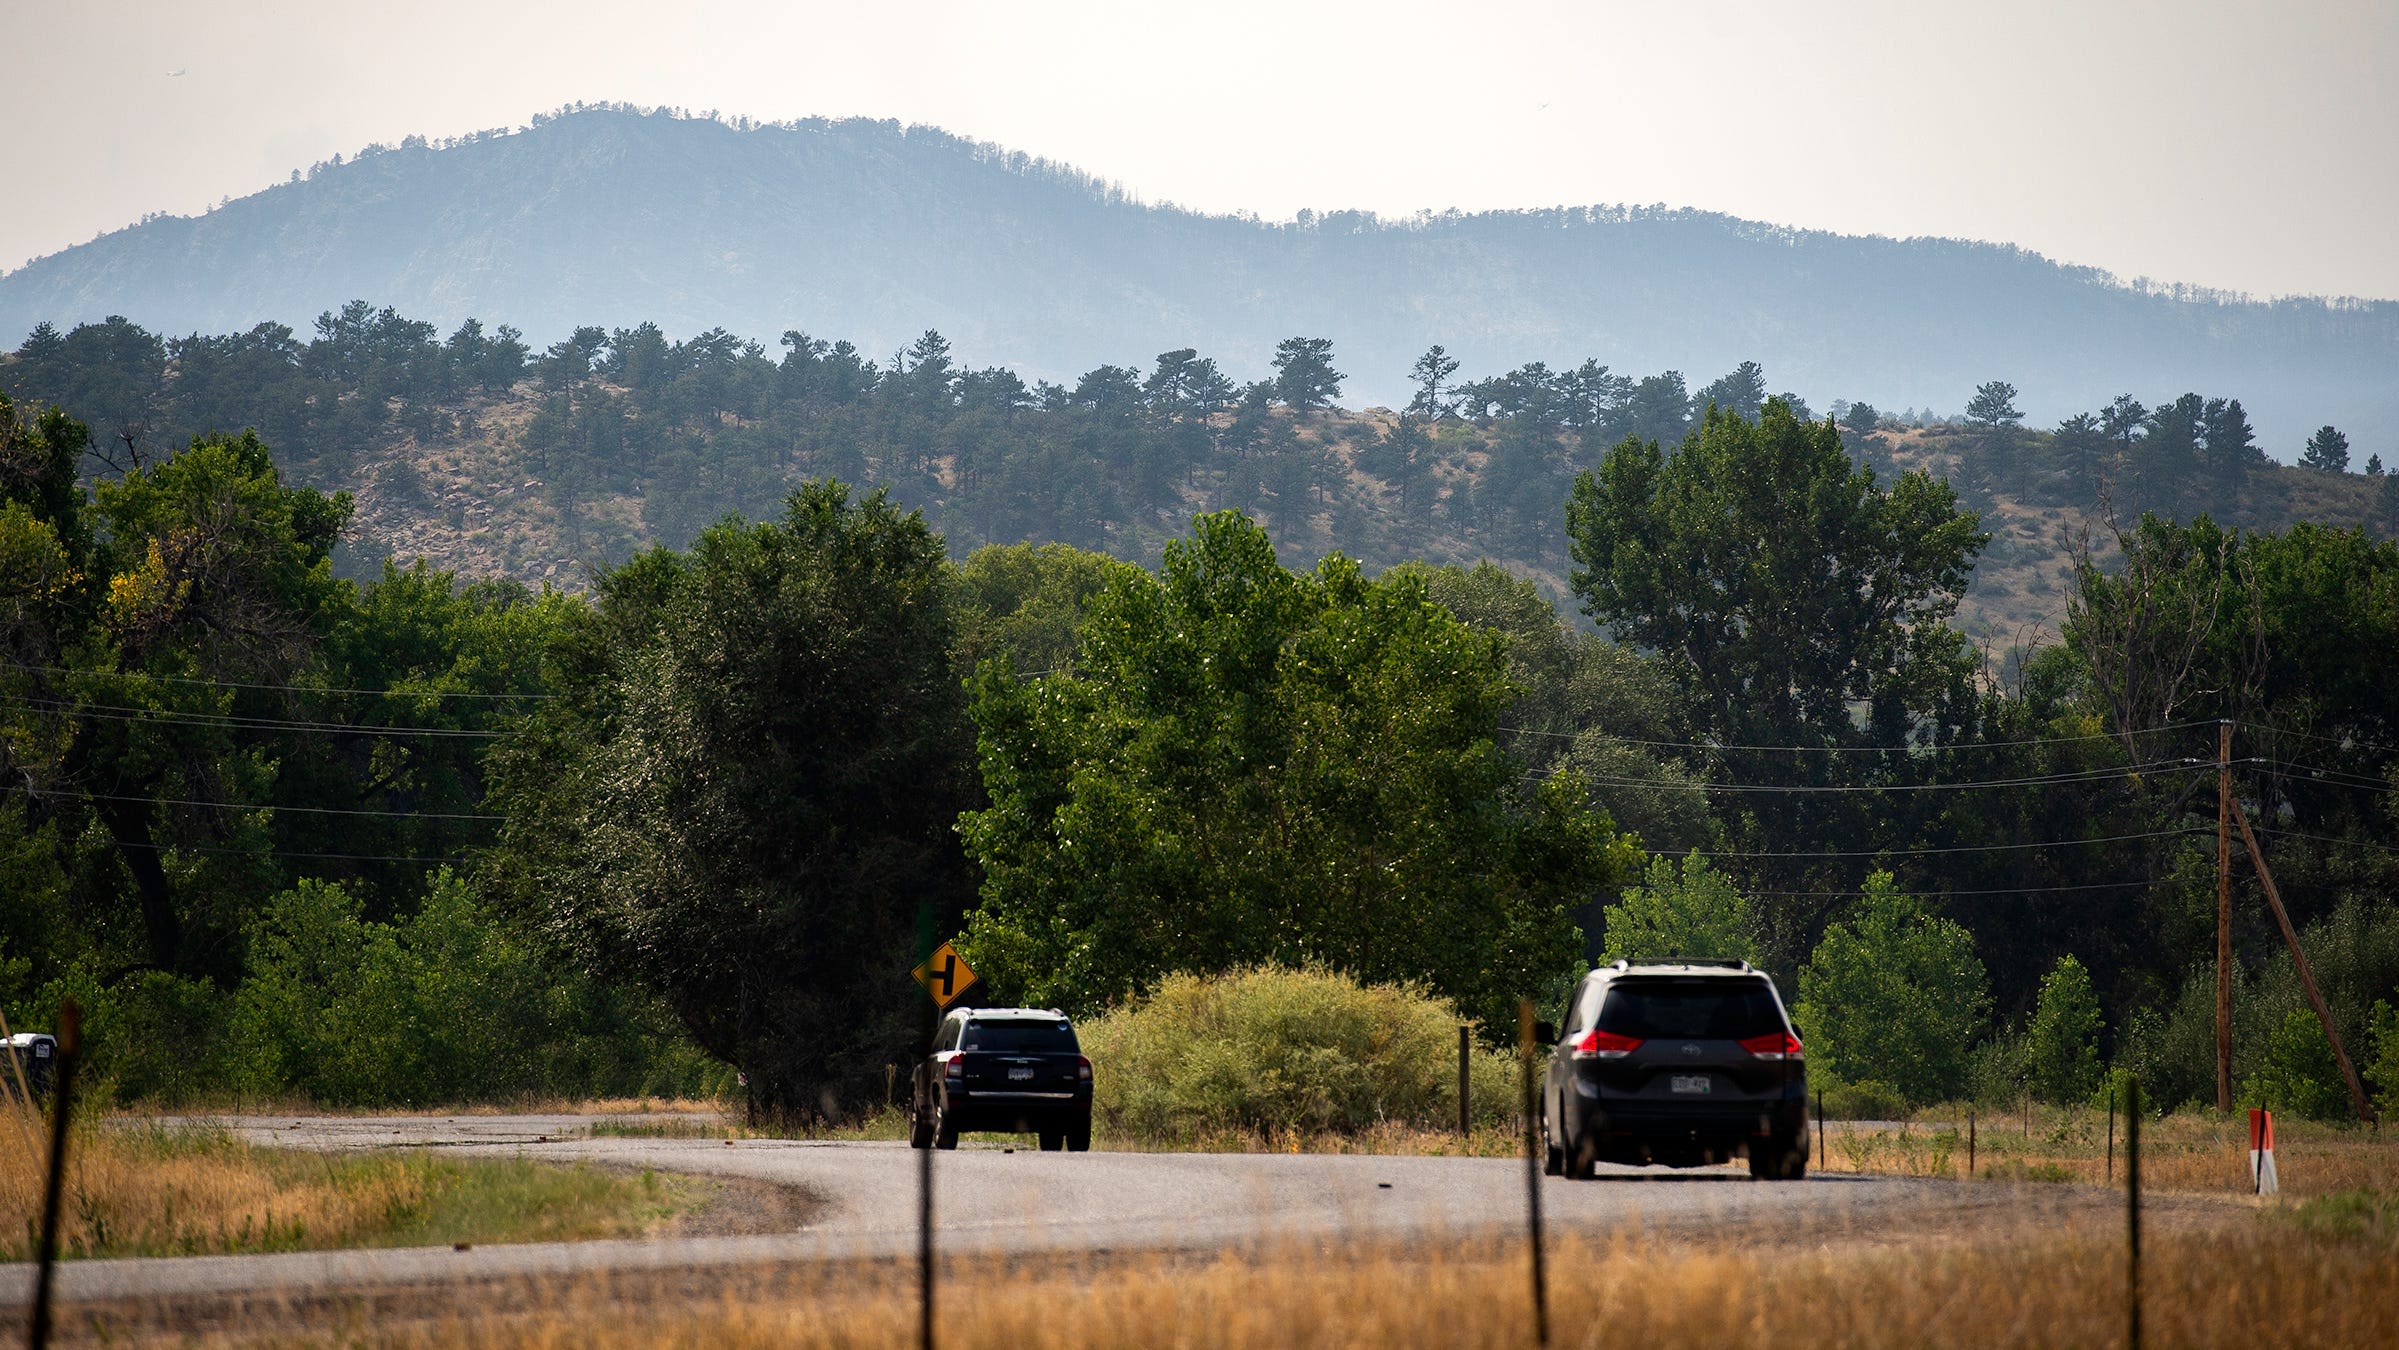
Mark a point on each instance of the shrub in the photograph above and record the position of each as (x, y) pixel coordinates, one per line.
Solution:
(443, 1006)
(1273, 1048)
(1684, 908)
(1894, 995)
(2382, 1057)
(2299, 1074)
(2061, 1046)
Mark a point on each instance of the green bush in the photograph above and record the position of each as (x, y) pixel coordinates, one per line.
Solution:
(1894, 995)
(443, 1006)
(1681, 908)
(1861, 1101)
(2382, 1057)
(2299, 1074)
(1273, 1048)
(2061, 1046)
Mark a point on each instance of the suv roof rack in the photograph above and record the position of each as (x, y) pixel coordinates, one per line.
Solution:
(1710, 962)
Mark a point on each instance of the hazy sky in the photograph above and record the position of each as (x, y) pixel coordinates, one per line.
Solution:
(2249, 147)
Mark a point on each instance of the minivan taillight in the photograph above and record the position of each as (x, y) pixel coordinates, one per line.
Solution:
(1597, 1044)
(1775, 1045)
(1082, 1069)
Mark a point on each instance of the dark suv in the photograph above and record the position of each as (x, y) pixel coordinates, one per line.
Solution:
(1006, 1069)
(1683, 1063)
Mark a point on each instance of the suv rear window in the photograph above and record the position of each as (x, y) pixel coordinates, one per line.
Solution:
(1710, 1009)
(1020, 1038)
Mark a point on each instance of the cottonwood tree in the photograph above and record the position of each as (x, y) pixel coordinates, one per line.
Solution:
(1802, 604)
(1894, 995)
(748, 787)
(1250, 765)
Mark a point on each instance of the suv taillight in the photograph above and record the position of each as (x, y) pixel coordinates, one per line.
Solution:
(1597, 1044)
(1775, 1045)
(956, 1068)
(1082, 1068)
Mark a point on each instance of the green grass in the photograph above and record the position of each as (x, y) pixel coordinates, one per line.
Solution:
(2365, 1215)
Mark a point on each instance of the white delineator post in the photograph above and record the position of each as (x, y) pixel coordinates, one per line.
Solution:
(2261, 1153)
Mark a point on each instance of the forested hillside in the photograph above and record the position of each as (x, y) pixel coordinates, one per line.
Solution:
(485, 456)
(876, 233)
(400, 835)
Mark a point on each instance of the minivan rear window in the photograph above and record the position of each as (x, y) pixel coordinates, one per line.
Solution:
(1714, 1009)
(1020, 1038)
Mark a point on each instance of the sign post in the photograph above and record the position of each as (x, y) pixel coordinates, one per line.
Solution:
(2262, 1180)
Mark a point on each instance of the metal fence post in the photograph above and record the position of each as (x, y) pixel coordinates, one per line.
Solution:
(1532, 1171)
(62, 1098)
(2132, 1210)
(2111, 1133)
(924, 1165)
(1465, 1082)
(1823, 1159)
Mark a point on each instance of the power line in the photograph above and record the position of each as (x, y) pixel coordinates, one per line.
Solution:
(2162, 766)
(262, 806)
(2351, 743)
(2315, 774)
(117, 712)
(286, 853)
(1858, 749)
(1992, 890)
(2325, 839)
(1960, 848)
(276, 688)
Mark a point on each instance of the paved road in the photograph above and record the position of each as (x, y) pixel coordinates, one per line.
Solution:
(1024, 1201)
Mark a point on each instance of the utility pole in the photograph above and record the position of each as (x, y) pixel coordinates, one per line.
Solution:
(2307, 977)
(2224, 916)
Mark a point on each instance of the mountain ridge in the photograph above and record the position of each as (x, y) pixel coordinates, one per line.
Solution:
(879, 232)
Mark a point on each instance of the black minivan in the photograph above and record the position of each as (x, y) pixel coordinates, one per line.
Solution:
(1003, 1069)
(1684, 1063)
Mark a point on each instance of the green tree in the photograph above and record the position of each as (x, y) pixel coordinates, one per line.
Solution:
(748, 787)
(1861, 420)
(2382, 1056)
(1584, 704)
(1799, 604)
(1681, 908)
(2327, 451)
(1894, 995)
(1025, 602)
(1783, 587)
(1305, 380)
(1741, 393)
(1994, 406)
(1252, 765)
(2298, 1073)
(2061, 1045)
(1431, 372)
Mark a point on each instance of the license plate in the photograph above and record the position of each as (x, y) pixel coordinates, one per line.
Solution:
(1693, 1082)
(1020, 1075)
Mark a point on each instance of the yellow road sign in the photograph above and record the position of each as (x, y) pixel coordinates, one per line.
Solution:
(945, 976)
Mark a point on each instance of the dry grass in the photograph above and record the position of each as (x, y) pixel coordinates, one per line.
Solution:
(2259, 1284)
(2187, 1151)
(301, 1109)
(134, 1190)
